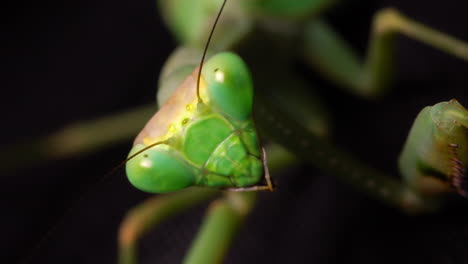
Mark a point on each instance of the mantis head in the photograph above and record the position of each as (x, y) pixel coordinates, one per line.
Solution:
(202, 135)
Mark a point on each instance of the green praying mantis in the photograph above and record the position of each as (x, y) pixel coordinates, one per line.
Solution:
(297, 133)
(432, 161)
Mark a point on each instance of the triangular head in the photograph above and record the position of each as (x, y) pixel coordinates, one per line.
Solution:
(202, 136)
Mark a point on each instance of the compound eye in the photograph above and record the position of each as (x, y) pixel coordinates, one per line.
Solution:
(157, 171)
(229, 85)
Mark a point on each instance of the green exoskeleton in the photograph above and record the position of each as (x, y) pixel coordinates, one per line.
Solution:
(203, 135)
(436, 150)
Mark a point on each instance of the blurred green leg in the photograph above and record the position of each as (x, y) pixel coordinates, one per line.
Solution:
(297, 9)
(224, 218)
(76, 138)
(331, 55)
(279, 127)
(153, 211)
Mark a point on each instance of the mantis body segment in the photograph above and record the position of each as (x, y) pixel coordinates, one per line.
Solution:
(435, 153)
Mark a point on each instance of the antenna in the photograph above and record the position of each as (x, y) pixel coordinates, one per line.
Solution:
(206, 47)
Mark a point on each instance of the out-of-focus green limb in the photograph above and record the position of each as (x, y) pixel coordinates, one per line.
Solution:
(390, 19)
(190, 21)
(76, 138)
(153, 211)
(297, 9)
(224, 218)
(379, 62)
(293, 136)
(330, 54)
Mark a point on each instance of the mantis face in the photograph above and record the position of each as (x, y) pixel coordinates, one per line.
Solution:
(202, 137)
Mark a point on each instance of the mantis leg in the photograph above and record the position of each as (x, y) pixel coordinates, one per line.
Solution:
(328, 158)
(290, 9)
(153, 211)
(76, 138)
(223, 219)
(326, 51)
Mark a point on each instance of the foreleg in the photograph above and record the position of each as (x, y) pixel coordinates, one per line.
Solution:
(330, 54)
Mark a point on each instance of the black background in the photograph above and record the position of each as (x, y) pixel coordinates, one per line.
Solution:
(74, 60)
